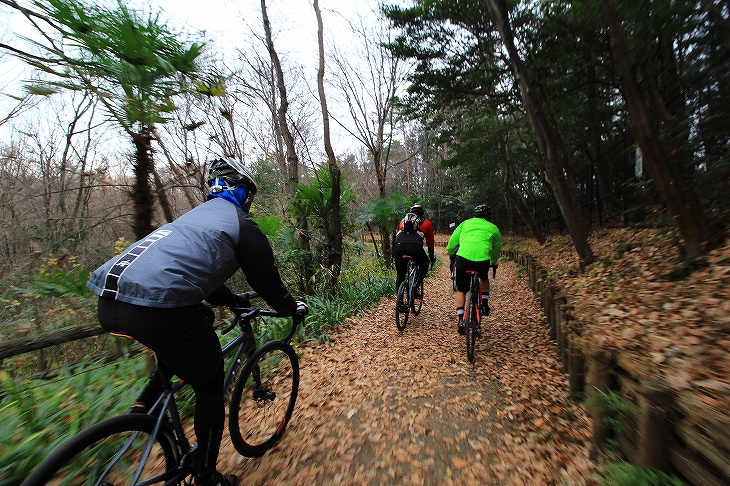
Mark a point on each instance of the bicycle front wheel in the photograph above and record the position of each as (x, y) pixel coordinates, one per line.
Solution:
(470, 323)
(263, 398)
(402, 306)
(110, 453)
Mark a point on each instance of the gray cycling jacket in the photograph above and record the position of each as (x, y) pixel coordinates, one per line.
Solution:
(191, 258)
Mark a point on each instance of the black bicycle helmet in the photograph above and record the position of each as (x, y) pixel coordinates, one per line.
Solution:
(233, 173)
(483, 211)
(417, 209)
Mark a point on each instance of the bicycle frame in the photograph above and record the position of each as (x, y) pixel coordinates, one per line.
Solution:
(412, 278)
(476, 289)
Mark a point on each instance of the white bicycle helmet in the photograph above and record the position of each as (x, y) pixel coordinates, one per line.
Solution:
(233, 173)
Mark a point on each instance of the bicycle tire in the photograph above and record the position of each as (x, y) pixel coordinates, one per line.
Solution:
(469, 325)
(417, 303)
(77, 460)
(263, 398)
(402, 306)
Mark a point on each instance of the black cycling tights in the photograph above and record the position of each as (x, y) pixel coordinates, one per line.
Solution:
(184, 340)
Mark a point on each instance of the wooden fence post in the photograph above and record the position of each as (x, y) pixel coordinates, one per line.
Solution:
(600, 379)
(532, 273)
(652, 447)
(576, 362)
(542, 276)
(559, 300)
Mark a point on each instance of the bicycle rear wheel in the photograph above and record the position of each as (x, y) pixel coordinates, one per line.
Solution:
(470, 323)
(417, 302)
(109, 453)
(402, 306)
(263, 398)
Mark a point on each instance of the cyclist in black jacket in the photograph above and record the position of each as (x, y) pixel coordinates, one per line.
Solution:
(154, 289)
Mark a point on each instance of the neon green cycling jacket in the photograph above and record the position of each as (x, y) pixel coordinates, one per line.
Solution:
(477, 240)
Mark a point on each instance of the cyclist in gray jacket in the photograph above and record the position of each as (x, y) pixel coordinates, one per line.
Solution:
(153, 292)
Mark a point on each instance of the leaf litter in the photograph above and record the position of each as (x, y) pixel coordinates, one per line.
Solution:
(378, 406)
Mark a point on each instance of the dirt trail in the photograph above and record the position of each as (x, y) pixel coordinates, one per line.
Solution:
(378, 406)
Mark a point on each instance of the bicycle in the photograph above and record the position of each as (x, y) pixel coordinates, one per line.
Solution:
(147, 449)
(473, 312)
(410, 296)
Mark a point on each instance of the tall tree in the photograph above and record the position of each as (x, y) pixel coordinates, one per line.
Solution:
(649, 111)
(334, 232)
(369, 90)
(292, 158)
(130, 61)
(548, 135)
(466, 54)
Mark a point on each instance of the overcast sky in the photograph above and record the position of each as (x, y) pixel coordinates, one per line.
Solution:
(226, 24)
(229, 23)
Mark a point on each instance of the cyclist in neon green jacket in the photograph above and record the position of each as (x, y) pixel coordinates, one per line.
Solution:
(477, 243)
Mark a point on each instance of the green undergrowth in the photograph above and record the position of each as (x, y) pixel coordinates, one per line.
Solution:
(360, 287)
(39, 414)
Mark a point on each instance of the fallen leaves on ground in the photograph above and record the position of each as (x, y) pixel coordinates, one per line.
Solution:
(666, 319)
(378, 406)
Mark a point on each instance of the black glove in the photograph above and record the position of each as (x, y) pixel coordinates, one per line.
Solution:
(225, 296)
(208, 311)
(494, 270)
(302, 308)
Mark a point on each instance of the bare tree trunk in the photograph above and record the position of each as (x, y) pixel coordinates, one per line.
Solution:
(664, 169)
(370, 95)
(141, 190)
(594, 151)
(334, 236)
(556, 168)
(292, 160)
(291, 156)
(162, 196)
(182, 172)
(83, 192)
(524, 212)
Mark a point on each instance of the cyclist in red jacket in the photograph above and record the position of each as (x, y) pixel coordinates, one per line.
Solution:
(412, 230)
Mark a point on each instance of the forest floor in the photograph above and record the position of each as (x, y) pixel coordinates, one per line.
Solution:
(378, 406)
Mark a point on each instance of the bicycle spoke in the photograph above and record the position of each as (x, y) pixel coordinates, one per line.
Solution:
(116, 452)
(417, 302)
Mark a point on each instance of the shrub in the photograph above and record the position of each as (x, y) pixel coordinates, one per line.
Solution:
(625, 474)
